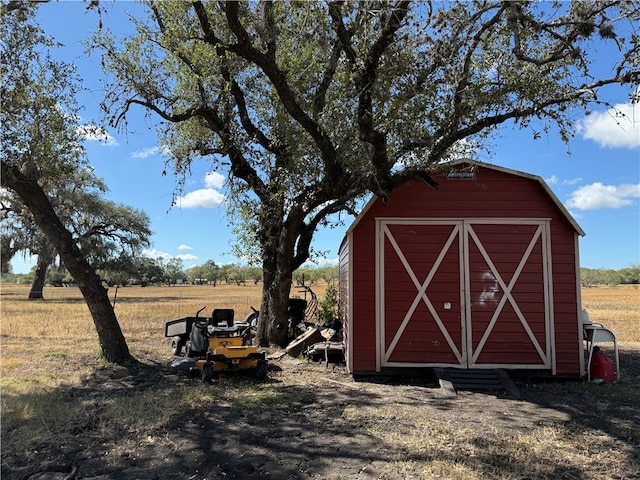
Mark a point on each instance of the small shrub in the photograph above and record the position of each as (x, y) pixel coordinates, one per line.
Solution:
(328, 307)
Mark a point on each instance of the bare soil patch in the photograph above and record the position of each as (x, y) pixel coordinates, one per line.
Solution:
(311, 421)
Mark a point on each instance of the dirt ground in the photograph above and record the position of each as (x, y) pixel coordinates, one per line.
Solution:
(311, 421)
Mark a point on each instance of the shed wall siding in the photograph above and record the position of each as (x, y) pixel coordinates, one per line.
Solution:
(363, 316)
(492, 194)
(344, 298)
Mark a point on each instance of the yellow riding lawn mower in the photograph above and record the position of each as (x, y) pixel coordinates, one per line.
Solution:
(214, 345)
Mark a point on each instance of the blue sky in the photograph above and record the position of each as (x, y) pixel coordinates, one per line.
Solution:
(599, 182)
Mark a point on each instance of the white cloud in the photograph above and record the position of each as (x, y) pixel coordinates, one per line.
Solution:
(153, 253)
(93, 133)
(618, 127)
(185, 247)
(554, 180)
(186, 257)
(328, 262)
(152, 151)
(213, 180)
(597, 196)
(205, 197)
(146, 152)
(573, 181)
(157, 254)
(208, 197)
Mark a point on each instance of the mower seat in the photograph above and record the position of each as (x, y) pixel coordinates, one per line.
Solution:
(197, 344)
(222, 322)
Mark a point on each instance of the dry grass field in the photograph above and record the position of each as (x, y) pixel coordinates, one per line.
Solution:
(59, 331)
(617, 308)
(67, 414)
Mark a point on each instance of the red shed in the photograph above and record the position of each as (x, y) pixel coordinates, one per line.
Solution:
(481, 273)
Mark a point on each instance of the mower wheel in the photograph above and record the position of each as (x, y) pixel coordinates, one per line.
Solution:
(176, 345)
(261, 371)
(207, 373)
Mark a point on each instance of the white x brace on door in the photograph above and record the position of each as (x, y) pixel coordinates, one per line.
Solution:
(472, 293)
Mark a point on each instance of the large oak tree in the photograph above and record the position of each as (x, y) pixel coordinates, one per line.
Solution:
(308, 106)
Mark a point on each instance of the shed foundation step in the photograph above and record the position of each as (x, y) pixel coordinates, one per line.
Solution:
(453, 379)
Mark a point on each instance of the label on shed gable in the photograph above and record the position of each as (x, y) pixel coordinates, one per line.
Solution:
(461, 175)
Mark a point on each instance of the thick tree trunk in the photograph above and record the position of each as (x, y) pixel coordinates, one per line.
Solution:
(273, 320)
(112, 341)
(39, 278)
(285, 246)
(277, 270)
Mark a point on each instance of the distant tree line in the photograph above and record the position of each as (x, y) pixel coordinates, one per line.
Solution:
(126, 270)
(149, 271)
(590, 277)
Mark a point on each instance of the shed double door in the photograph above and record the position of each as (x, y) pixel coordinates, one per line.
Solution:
(470, 293)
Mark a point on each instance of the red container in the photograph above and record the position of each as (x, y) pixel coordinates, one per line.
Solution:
(602, 367)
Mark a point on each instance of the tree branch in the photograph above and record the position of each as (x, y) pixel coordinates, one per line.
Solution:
(365, 80)
(278, 79)
(319, 96)
(462, 84)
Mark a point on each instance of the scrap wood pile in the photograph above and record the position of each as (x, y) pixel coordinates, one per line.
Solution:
(319, 344)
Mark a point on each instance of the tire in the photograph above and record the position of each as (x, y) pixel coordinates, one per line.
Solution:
(261, 371)
(252, 320)
(207, 373)
(176, 345)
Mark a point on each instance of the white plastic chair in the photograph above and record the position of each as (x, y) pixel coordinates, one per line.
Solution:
(595, 333)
